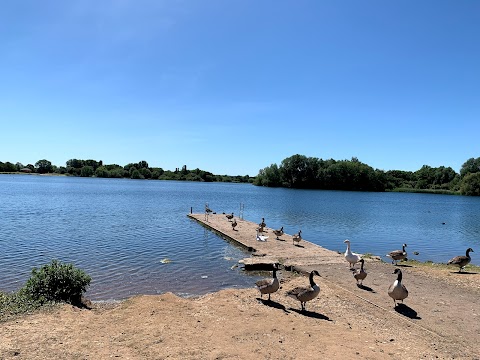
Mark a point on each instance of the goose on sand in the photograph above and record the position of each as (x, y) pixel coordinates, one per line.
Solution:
(278, 232)
(352, 258)
(304, 294)
(360, 274)
(397, 291)
(297, 237)
(268, 286)
(461, 261)
(229, 216)
(397, 255)
(234, 223)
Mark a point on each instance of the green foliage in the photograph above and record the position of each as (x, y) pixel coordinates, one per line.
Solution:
(56, 282)
(470, 166)
(12, 304)
(302, 172)
(136, 174)
(471, 184)
(102, 172)
(44, 166)
(87, 171)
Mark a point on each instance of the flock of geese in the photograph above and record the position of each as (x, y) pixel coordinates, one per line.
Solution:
(397, 290)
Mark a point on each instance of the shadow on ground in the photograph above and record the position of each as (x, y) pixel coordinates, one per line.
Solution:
(407, 311)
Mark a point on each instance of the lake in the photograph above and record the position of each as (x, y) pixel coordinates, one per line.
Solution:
(120, 230)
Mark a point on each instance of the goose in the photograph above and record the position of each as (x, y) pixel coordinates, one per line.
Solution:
(278, 232)
(234, 223)
(304, 294)
(297, 237)
(262, 224)
(229, 216)
(396, 255)
(461, 261)
(268, 286)
(361, 274)
(261, 237)
(398, 291)
(352, 258)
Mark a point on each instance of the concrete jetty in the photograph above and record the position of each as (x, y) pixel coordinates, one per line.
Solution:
(265, 253)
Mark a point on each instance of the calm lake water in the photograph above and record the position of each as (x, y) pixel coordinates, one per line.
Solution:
(119, 230)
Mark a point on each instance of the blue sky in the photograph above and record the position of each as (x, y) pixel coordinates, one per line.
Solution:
(234, 86)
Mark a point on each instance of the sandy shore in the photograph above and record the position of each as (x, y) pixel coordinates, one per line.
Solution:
(440, 319)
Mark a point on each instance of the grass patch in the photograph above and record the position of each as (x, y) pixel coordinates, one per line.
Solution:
(431, 264)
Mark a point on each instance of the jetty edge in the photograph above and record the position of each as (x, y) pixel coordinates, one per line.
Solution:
(297, 257)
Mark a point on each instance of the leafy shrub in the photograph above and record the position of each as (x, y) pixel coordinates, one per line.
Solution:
(56, 282)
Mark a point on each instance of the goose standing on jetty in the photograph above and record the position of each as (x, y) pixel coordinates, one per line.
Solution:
(269, 286)
(229, 216)
(397, 255)
(352, 258)
(278, 232)
(360, 274)
(261, 226)
(234, 223)
(304, 294)
(297, 237)
(397, 291)
(461, 261)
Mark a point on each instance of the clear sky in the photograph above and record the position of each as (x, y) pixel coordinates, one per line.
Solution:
(233, 86)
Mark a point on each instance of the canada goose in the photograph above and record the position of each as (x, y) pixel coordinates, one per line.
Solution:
(297, 237)
(234, 223)
(268, 286)
(398, 291)
(352, 258)
(361, 274)
(262, 224)
(304, 294)
(461, 261)
(396, 255)
(278, 232)
(229, 216)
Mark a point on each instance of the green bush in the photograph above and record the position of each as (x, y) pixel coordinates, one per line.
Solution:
(56, 282)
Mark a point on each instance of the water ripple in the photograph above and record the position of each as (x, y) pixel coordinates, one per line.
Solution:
(119, 231)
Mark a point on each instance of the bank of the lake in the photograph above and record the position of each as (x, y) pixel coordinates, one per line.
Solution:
(121, 231)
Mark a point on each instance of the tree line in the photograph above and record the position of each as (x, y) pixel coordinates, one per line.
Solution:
(140, 170)
(302, 172)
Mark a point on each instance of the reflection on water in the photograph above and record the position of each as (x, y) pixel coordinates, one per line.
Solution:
(119, 231)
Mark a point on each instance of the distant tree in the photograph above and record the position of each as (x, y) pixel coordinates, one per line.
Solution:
(142, 165)
(136, 174)
(470, 184)
(102, 172)
(470, 166)
(44, 166)
(145, 172)
(87, 171)
(75, 163)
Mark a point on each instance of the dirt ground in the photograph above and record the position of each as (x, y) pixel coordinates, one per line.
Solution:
(440, 319)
